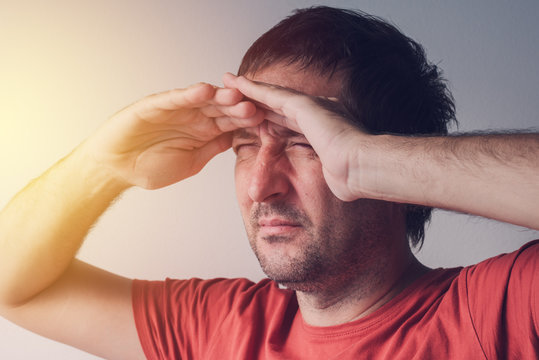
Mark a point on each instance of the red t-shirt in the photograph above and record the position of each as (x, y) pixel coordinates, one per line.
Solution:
(485, 311)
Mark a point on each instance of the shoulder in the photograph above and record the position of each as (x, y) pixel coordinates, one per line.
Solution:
(493, 279)
(517, 266)
(507, 284)
(502, 295)
(190, 313)
(203, 294)
(196, 288)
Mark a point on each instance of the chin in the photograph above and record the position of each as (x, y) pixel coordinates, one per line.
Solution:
(304, 287)
(292, 278)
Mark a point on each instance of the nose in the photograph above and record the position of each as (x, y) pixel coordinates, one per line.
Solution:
(269, 179)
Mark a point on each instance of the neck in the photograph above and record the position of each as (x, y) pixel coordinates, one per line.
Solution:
(358, 298)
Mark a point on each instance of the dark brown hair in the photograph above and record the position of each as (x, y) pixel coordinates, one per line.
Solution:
(388, 85)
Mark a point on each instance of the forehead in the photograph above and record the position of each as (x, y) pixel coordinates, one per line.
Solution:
(302, 80)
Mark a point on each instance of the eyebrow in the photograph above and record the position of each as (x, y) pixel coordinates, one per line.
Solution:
(243, 134)
(285, 132)
(247, 135)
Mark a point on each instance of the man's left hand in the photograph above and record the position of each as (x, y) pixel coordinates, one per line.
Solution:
(324, 123)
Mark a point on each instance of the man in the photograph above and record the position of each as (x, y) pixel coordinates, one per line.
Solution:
(323, 182)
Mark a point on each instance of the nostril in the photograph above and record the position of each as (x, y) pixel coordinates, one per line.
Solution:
(267, 182)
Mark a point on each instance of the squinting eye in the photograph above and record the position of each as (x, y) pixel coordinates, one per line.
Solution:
(303, 148)
(244, 148)
(304, 145)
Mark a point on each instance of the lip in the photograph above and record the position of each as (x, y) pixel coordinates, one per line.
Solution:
(277, 226)
(276, 222)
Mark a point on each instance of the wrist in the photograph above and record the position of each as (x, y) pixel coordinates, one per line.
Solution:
(96, 178)
(381, 160)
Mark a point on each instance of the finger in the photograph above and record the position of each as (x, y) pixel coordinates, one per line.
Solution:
(278, 119)
(243, 109)
(241, 82)
(269, 96)
(193, 96)
(281, 104)
(179, 170)
(227, 123)
(227, 96)
(212, 148)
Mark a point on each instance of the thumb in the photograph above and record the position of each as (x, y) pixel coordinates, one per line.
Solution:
(212, 148)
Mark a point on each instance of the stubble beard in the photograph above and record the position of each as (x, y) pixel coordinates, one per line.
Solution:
(309, 269)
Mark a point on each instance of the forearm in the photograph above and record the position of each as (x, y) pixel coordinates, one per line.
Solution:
(495, 176)
(44, 225)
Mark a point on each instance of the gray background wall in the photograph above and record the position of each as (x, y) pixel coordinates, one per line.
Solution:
(66, 66)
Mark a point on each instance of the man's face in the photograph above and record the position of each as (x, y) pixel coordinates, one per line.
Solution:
(303, 236)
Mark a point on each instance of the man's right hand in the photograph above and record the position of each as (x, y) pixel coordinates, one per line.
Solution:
(170, 136)
(155, 142)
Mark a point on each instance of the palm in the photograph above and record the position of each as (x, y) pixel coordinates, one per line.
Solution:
(165, 153)
(168, 137)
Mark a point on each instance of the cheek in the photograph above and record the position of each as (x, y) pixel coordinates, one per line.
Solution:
(311, 183)
(316, 197)
(241, 180)
(315, 192)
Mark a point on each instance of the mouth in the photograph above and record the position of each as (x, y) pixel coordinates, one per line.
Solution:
(277, 226)
(277, 222)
